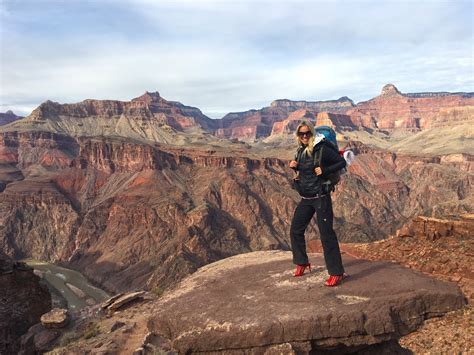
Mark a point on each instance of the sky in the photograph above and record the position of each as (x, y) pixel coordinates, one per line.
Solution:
(230, 56)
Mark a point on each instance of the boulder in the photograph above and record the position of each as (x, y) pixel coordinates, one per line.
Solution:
(252, 303)
(122, 301)
(56, 318)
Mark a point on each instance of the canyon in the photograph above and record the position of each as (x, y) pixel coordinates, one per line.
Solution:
(81, 185)
(139, 194)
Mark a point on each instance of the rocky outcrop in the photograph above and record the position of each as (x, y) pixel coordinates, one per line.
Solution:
(147, 118)
(149, 106)
(334, 120)
(7, 117)
(248, 311)
(280, 117)
(56, 318)
(250, 124)
(47, 149)
(334, 106)
(392, 109)
(121, 300)
(288, 125)
(435, 228)
(23, 299)
(152, 118)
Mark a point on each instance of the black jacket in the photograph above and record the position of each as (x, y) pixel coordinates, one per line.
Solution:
(308, 183)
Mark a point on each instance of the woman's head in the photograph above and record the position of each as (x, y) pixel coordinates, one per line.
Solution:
(305, 135)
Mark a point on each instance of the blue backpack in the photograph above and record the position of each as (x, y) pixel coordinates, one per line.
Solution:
(329, 135)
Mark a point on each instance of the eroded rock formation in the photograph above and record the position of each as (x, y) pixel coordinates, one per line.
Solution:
(149, 106)
(127, 213)
(392, 109)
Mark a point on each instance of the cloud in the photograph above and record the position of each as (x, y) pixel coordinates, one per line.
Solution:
(230, 56)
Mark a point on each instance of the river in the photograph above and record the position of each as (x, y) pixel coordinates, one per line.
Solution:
(72, 285)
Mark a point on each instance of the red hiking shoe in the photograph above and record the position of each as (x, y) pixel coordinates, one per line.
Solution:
(300, 268)
(335, 280)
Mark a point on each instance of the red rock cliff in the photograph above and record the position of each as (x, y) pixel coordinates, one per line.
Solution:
(392, 109)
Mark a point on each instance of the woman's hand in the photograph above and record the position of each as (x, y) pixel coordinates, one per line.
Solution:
(318, 171)
(293, 164)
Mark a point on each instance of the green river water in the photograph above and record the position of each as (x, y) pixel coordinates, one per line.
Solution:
(57, 277)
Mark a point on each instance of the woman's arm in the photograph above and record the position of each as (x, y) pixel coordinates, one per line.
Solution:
(331, 160)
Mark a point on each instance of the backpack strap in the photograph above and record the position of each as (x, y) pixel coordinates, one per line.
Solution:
(318, 155)
(298, 154)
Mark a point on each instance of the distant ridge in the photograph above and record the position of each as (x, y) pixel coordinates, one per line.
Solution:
(8, 117)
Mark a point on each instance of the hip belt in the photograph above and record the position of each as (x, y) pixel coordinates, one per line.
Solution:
(313, 197)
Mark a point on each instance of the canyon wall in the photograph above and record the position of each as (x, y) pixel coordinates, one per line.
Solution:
(130, 215)
(392, 109)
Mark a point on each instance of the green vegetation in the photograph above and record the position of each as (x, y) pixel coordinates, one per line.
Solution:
(68, 338)
(92, 330)
(157, 291)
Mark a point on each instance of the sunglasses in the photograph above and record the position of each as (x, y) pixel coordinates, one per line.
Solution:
(307, 134)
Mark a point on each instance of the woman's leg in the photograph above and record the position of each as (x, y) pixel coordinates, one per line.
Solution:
(303, 214)
(332, 254)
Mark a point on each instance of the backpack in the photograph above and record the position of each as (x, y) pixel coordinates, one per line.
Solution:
(329, 142)
(334, 178)
(329, 134)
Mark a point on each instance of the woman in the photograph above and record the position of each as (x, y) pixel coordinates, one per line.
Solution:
(309, 184)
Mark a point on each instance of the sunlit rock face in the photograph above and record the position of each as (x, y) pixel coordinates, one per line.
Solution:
(392, 109)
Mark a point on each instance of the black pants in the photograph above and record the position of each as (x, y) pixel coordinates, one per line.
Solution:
(303, 214)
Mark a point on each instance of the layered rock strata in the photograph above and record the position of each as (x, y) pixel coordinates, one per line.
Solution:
(392, 109)
(126, 213)
(280, 117)
(152, 118)
(149, 106)
(435, 228)
(248, 311)
(288, 125)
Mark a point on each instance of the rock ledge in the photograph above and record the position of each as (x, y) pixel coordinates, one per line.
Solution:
(251, 302)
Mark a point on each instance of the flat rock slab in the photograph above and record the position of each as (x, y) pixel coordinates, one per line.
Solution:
(56, 318)
(252, 301)
(123, 300)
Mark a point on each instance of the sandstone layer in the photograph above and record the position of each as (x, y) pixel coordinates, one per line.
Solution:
(249, 311)
(56, 318)
(392, 109)
(148, 118)
(151, 118)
